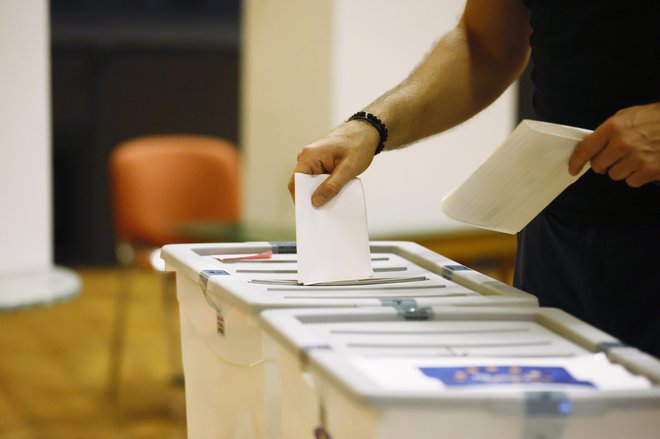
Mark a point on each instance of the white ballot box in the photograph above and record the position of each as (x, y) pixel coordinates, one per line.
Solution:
(231, 382)
(459, 373)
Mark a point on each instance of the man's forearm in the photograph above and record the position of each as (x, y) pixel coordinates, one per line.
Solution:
(463, 74)
(460, 77)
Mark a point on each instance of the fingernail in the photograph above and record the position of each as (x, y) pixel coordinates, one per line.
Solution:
(319, 200)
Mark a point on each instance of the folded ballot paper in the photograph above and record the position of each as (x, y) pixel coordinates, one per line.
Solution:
(519, 179)
(332, 241)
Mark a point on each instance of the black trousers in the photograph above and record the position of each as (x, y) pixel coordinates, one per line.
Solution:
(608, 276)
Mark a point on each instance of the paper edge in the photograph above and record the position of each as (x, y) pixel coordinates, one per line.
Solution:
(536, 126)
(312, 280)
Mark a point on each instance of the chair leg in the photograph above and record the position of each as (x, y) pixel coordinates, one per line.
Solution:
(168, 290)
(118, 336)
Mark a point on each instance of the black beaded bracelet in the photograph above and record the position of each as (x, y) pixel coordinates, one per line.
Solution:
(376, 123)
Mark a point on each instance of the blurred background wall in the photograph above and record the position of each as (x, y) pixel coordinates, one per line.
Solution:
(289, 70)
(126, 68)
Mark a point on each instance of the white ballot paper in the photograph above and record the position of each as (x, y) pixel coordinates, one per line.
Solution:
(519, 179)
(332, 241)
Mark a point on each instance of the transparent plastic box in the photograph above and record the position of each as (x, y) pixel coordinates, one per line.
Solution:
(454, 372)
(232, 385)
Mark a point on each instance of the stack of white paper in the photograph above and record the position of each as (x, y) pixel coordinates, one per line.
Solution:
(519, 179)
(332, 241)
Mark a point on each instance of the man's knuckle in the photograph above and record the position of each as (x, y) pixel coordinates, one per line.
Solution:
(625, 144)
(581, 150)
(618, 123)
(305, 150)
(615, 145)
(636, 180)
(654, 173)
(638, 162)
(348, 167)
(647, 175)
(332, 188)
(615, 174)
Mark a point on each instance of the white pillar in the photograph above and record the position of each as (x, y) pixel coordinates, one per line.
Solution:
(27, 274)
(25, 152)
(308, 65)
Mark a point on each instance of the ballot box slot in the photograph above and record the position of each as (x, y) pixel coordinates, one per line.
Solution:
(449, 353)
(425, 353)
(385, 322)
(466, 338)
(353, 345)
(376, 270)
(286, 261)
(261, 261)
(426, 332)
(228, 251)
(316, 288)
(370, 281)
(375, 296)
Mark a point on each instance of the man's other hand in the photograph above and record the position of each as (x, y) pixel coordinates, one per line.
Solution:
(344, 153)
(626, 147)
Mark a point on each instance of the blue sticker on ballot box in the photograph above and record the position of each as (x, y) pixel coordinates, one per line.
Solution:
(501, 375)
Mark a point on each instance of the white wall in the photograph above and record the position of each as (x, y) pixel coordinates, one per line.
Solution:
(285, 98)
(25, 175)
(370, 46)
(376, 45)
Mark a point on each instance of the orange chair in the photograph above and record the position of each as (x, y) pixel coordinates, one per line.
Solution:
(159, 183)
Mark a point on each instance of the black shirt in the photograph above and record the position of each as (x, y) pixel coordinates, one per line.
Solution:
(590, 59)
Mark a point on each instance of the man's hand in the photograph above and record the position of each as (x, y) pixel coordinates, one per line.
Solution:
(344, 153)
(626, 147)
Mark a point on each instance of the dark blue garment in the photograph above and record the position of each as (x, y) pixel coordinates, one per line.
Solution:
(607, 276)
(592, 58)
(595, 250)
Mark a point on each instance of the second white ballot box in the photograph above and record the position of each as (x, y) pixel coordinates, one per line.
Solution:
(232, 385)
(507, 373)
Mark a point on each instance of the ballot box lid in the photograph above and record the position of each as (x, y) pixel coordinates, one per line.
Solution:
(255, 276)
(497, 357)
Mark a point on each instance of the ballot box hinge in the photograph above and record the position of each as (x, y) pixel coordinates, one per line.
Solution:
(204, 276)
(425, 313)
(547, 404)
(284, 248)
(415, 313)
(448, 270)
(408, 309)
(399, 303)
(606, 346)
(305, 350)
(320, 432)
(546, 414)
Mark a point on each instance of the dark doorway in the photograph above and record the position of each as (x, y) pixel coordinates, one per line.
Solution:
(126, 68)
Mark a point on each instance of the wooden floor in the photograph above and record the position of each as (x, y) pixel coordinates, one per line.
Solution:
(54, 363)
